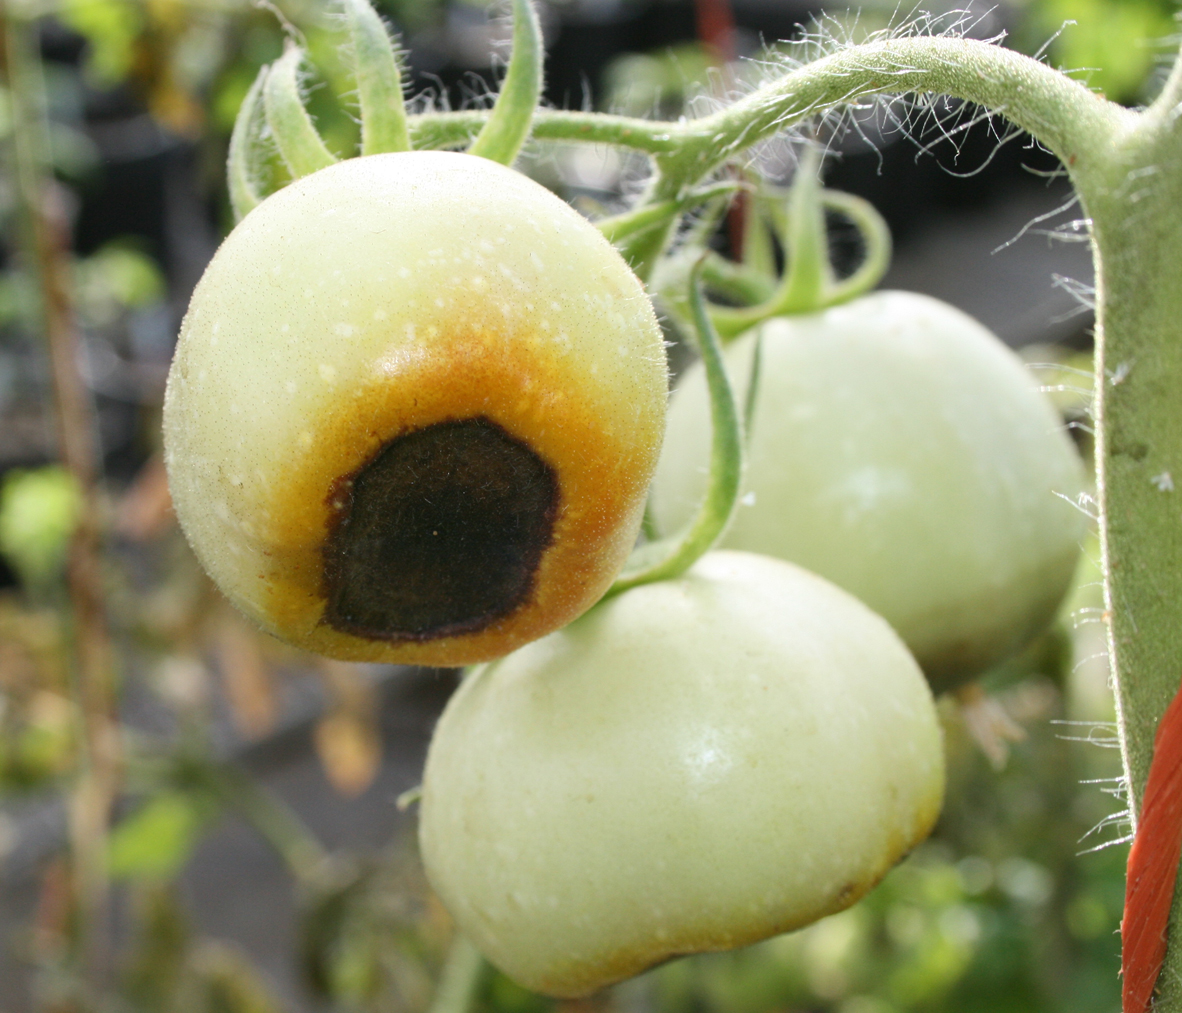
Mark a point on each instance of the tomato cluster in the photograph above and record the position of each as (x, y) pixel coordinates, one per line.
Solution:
(414, 414)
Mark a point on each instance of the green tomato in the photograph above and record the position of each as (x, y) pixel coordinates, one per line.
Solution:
(414, 411)
(694, 765)
(901, 451)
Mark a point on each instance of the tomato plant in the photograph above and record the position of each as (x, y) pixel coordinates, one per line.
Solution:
(899, 449)
(324, 584)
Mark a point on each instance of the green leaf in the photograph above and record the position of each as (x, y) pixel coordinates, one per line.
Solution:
(156, 841)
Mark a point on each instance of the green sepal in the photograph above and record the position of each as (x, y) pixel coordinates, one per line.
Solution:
(379, 81)
(300, 144)
(759, 252)
(642, 233)
(511, 119)
(244, 195)
(808, 284)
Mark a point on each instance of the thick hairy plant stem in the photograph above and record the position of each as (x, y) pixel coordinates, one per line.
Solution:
(1137, 238)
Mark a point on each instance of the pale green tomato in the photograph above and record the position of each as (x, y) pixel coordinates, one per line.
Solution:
(901, 451)
(414, 411)
(694, 765)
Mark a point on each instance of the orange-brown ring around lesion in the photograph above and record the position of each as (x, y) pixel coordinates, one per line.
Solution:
(603, 461)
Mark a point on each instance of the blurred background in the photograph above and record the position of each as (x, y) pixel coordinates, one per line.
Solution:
(261, 858)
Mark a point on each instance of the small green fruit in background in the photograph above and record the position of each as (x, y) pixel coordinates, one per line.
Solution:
(414, 411)
(901, 451)
(695, 765)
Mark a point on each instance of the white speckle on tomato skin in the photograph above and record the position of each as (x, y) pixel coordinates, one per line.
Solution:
(344, 330)
(327, 373)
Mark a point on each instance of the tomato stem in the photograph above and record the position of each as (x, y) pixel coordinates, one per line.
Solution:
(876, 243)
(671, 557)
(462, 974)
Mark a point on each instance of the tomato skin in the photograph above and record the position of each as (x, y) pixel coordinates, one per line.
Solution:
(694, 765)
(901, 451)
(380, 297)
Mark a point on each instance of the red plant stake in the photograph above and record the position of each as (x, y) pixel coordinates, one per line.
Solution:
(1153, 866)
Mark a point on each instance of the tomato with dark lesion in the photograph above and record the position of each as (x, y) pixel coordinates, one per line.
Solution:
(440, 310)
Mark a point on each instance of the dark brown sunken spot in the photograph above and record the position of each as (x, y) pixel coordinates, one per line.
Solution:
(440, 533)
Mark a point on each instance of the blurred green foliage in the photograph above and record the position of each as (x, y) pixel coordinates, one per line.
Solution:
(158, 839)
(1114, 45)
(38, 513)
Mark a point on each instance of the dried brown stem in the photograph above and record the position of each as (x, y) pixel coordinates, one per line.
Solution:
(45, 249)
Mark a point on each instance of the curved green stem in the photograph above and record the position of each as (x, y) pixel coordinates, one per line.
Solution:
(753, 381)
(244, 196)
(455, 129)
(876, 243)
(642, 234)
(1074, 123)
(808, 285)
(458, 983)
(379, 81)
(508, 125)
(670, 557)
(278, 825)
(619, 227)
(300, 145)
(737, 282)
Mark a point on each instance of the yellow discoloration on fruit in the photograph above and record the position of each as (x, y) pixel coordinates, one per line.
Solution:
(600, 477)
(325, 383)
